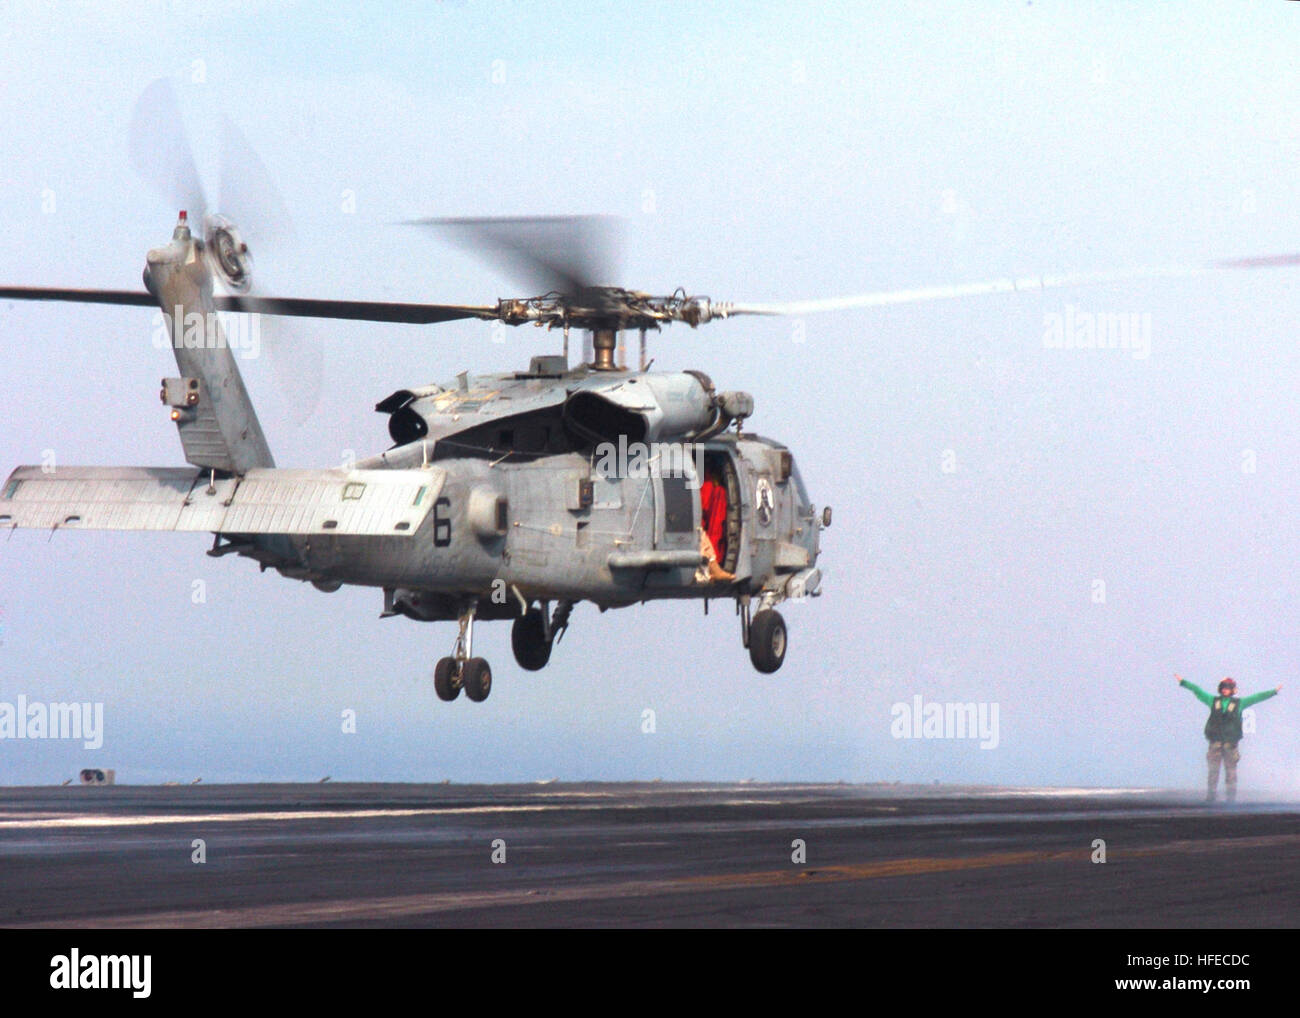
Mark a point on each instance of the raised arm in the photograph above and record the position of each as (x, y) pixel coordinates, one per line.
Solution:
(1254, 698)
(1196, 691)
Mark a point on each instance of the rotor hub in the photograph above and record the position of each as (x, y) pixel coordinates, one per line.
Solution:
(609, 308)
(229, 254)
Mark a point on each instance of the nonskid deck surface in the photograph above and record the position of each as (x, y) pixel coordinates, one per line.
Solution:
(651, 854)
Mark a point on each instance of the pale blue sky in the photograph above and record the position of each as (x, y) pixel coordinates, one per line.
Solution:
(758, 152)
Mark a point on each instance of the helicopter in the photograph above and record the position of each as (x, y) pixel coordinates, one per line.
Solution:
(513, 496)
(507, 496)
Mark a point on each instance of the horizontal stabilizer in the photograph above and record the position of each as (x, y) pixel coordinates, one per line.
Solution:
(264, 501)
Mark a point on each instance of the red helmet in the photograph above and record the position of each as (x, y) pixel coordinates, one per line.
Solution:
(1228, 686)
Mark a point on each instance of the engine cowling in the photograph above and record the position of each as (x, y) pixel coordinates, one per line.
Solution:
(644, 408)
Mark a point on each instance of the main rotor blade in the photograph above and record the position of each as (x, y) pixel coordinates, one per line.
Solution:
(298, 307)
(1264, 262)
(131, 298)
(354, 310)
(570, 255)
(1007, 285)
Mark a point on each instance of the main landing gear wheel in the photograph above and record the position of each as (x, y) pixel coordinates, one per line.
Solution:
(446, 679)
(528, 639)
(460, 671)
(476, 677)
(767, 640)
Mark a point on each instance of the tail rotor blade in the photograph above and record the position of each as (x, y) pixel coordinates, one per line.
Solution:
(250, 199)
(248, 195)
(160, 150)
(297, 362)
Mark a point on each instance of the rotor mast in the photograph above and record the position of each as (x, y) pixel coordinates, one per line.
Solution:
(603, 344)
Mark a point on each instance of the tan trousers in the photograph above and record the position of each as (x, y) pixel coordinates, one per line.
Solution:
(711, 571)
(1227, 754)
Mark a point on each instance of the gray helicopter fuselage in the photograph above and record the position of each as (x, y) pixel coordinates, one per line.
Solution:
(532, 501)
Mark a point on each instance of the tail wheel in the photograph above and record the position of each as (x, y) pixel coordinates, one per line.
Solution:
(528, 639)
(767, 640)
(476, 677)
(446, 681)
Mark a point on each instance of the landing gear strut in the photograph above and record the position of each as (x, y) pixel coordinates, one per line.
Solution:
(461, 671)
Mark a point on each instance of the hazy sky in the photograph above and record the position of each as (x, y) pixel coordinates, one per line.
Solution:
(1054, 531)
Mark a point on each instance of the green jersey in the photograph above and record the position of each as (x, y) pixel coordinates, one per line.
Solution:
(1224, 723)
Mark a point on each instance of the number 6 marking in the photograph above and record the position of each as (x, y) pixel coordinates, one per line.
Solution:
(441, 523)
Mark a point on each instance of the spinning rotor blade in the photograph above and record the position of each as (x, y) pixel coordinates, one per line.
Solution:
(161, 154)
(248, 195)
(130, 298)
(1008, 285)
(251, 216)
(294, 307)
(250, 198)
(160, 151)
(1265, 262)
(568, 255)
(354, 310)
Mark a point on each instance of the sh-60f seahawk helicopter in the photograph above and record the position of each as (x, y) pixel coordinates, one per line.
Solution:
(508, 496)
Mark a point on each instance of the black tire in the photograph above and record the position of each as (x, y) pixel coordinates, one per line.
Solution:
(476, 677)
(446, 683)
(767, 640)
(528, 640)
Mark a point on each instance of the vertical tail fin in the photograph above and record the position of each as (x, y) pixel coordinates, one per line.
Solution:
(218, 426)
